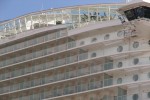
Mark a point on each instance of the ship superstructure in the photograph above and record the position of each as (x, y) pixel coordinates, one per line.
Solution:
(88, 52)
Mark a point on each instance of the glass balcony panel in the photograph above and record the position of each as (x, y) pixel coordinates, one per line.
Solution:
(103, 12)
(71, 44)
(78, 88)
(1, 90)
(30, 42)
(93, 14)
(41, 95)
(46, 94)
(1, 76)
(11, 25)
(28, 69)
(28, 56)
(43, 65)
(63, 33)
(59, 92)
(8, 49)
(61, 62)
(56, 47)
(1, 64)
(51, 18)
(61, 76)
(1, 50)
(66, 16)
(25, 44)
(28, 22)
(108, 82)
(7, 75)
(72, 59)
(38, 53)
(43, 20)
(56, 77)
(17, 72)
(35, 21)
(21, 85)
(22, 70)
(96, 68)
(105, 97)
(41, 39)
(113, 13)
(51, 36)
(22, 58)
(46, 37)
(17, 59)
(66, 90)
(37, 82)
(6, 89)
(99, 84)
(17, 46)
(5, 50)
(17, 24)
(58, 34)
(83, 71)
(49, 65)
(123, 97)
(84, 14)
(83, 56)
(44, 51)
(21, 46)
(50, 50)
(15, 87)
(62, 47)
(66, 74)
(4, 63)
(36, 96)
(26, 98)
(26, 84)
(84, 86)
(23, 24)
(86, 70)
(75, 15)
(71, 89)
(92, 85)
(38, 67)
(108, 66)
(56, 62)
(9, 61)
(49, 79)
(73, 73)
(58, 16)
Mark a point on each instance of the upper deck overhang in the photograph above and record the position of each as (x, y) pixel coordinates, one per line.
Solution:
(97, 26)
(31, 33)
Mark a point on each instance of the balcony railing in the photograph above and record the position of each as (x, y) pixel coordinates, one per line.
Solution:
(98, 83)
(63, 47)
(76, 73)
(86, 86)
(32, 42)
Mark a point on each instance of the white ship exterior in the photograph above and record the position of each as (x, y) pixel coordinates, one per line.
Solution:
(76, 53)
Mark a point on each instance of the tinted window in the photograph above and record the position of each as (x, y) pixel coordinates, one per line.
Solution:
(147, 12)
(130, 14)
(138, 12)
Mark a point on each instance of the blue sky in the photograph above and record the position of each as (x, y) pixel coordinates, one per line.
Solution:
(12, 8)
